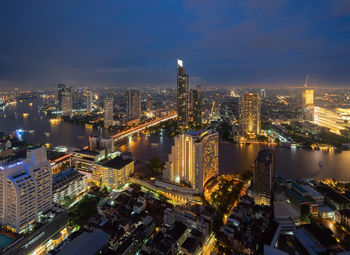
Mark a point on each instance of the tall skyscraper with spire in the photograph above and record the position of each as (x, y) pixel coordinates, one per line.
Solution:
(182, 96)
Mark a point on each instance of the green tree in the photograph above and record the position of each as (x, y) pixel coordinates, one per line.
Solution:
(156, 164)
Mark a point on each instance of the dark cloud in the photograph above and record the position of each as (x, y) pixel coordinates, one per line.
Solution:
(121, 43)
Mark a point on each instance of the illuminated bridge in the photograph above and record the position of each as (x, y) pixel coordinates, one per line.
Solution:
(134, 130)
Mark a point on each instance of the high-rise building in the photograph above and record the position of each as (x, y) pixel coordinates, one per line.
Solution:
(149, 104)
(88, 101)
(263, 177)
(182, 95)
(108, 112)
(263, 93)
(193, 159)
(249, 114)
(133, 102)
(25, 190)
(67, 102)
(196, 106)
(60, 89)
(308, 102)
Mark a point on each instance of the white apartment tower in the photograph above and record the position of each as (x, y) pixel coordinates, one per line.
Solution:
(108, 112)
(25, 190)
(67, 102)
(193, 159)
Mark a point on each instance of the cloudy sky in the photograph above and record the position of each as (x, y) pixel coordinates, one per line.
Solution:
(136, 43)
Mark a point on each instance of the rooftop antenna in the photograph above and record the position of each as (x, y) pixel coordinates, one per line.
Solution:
(307, 79)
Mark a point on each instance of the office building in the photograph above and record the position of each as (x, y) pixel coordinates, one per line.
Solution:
(88, 101)
(263, 177)
(60, 89)
(115, 172)
(25, 190)
(149, 104)
(133, 102)
(193, 159)
(67, 102)
(196, 107)
(334, 119)
(98, 143)
(249, 114)
(182, 96)
(263, 93)
(108, 112)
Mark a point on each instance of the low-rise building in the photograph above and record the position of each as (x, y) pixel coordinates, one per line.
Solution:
(115, 172)
(333, 198)
(343, 217)
(68, 183)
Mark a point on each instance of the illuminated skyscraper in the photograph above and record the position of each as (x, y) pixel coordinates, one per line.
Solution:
(60, 89)
(108, 112)
(249, 114)
(26, 190)
(88, 101)
(67, 102)
(308, 102)
(196, 106)
(262, 93)
(263, 177)
(133, 101)
(193, 159)
(182, 96)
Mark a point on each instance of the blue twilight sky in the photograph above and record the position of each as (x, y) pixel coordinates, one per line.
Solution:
(136, 43)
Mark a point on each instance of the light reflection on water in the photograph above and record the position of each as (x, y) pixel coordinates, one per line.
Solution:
(291, 163)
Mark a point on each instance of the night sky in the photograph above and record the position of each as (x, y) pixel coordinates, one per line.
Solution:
(136, 43)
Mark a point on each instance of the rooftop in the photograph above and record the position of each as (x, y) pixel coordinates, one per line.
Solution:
(117, 162)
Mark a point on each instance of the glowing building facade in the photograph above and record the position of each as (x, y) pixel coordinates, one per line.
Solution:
(25, 190)
(249, 114)
(182, 96)
(263, 177)
(116, 171)
(108, 112)
(334, 119)
(193, 159)
(308, 104)
(67, 102)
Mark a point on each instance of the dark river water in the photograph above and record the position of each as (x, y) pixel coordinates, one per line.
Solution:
(290, 163)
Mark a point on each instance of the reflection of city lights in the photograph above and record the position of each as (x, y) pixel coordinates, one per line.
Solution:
(19, 134)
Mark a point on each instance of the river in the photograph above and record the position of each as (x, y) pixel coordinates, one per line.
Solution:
(291, 163)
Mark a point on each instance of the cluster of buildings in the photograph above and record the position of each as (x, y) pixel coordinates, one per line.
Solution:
(71, 100)
(188, 102)
(245, 227)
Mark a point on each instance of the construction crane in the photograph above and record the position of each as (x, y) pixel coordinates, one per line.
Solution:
(307, 79)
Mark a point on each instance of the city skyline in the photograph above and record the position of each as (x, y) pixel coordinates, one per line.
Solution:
(271, 44)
